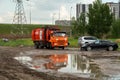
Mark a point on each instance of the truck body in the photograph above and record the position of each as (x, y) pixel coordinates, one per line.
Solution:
(49, 37)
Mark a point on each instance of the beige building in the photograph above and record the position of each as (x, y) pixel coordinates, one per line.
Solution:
(63, 22)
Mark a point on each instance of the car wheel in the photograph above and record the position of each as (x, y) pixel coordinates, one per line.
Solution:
(82, 49)
(88, 48)
(110, 48)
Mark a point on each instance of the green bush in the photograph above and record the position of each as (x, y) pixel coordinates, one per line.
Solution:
(116, 29)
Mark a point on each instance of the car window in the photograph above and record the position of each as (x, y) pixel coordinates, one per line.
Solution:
(104, 42)
(90, 38)
(97, 42)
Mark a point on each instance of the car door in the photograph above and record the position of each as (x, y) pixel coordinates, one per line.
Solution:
(103, 44)
(96, 44)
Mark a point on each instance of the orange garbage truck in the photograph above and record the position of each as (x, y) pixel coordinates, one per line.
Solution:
(49, 37)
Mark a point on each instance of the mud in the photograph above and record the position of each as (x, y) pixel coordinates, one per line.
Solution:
(108, 63)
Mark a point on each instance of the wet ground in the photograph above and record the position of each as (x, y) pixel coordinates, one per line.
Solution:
(70, 64)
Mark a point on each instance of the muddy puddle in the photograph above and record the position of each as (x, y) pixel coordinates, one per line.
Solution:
(74, 64)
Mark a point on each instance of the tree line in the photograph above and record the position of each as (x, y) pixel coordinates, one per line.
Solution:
(99, 22)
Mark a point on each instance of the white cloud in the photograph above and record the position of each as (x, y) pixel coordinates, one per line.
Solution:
(29, 4)
(86, 1)
(36, 22)
(64, 14)
(6, 18)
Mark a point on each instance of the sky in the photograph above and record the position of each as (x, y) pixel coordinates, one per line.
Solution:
(42, 11)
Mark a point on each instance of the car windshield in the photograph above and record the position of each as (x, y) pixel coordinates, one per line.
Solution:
(59, 34)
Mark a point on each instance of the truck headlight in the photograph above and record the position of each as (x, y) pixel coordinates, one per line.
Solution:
(65, 39)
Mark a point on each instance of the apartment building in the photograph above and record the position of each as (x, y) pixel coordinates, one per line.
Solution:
(84, 8)
(81, 8)
(115, 9)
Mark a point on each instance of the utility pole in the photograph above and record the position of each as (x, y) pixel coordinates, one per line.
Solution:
(119, 8)
(70, 12)
(70, 21)
(53, 17)
(59, 14)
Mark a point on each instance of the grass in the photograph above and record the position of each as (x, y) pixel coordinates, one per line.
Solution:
(73, 42)
(18, 42)
(7, 28)
(27, 28)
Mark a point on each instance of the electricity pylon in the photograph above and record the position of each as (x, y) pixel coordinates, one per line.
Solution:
(19, 18)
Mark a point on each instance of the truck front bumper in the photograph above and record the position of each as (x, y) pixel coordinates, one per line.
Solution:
(59, 45)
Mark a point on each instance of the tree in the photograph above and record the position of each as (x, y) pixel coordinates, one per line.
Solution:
(79, 26)
(100, 19)
(116, 29)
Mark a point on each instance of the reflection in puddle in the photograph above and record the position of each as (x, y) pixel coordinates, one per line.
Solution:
(64, 63)
(112, 77)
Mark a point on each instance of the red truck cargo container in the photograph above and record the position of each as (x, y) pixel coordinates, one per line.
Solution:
(49, 37)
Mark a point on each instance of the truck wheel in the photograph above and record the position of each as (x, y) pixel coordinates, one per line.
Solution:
(36, 46)
(50, 46)
(47, 46)
(41, 47)
(63, 48)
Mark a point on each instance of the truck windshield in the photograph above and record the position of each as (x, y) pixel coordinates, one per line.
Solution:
(59, 34)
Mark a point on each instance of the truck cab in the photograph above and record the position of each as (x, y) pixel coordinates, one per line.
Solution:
(59, 39)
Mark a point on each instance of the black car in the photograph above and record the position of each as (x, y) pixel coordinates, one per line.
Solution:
(100, 44)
